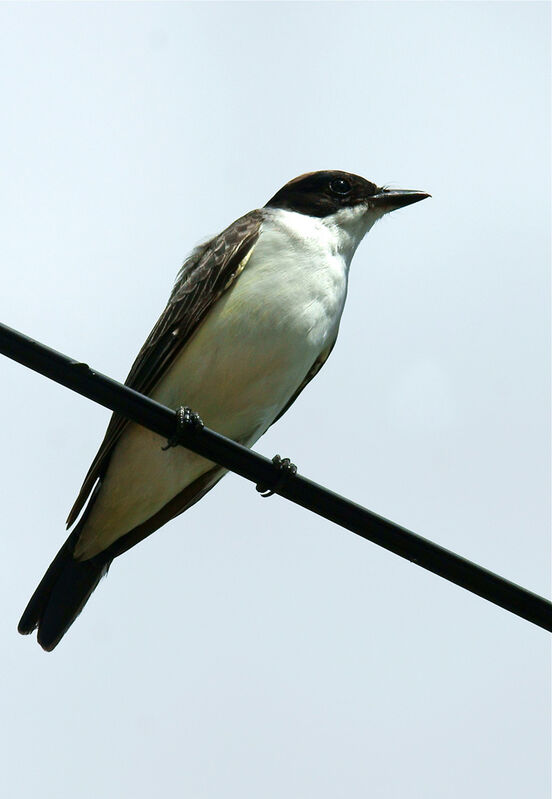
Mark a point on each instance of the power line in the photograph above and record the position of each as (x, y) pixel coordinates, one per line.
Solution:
(260, 470)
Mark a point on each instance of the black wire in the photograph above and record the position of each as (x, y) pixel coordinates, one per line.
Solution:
(260, 470)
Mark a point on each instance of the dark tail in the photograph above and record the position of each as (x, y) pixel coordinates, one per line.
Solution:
(62, 593)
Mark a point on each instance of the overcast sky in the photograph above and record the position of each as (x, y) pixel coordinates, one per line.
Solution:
(251, 649)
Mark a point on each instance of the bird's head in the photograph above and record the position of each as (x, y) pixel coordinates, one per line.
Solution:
(342, 200)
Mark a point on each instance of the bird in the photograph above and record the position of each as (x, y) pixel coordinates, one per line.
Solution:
(253, 316)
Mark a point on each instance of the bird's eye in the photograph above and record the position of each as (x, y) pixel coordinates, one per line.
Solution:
(340, 186)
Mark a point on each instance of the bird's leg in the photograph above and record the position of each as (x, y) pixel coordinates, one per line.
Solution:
(286, 470)
(186, 419)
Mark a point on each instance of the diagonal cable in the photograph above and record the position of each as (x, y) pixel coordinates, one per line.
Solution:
(260, 470)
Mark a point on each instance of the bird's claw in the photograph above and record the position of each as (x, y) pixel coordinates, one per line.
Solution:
(186, 419)
(286, 470)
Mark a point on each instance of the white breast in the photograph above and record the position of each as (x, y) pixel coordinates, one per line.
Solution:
(295, 283)
(262, 337)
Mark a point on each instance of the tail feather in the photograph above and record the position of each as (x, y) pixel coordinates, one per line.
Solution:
(68, 584)
(63, 591)
(35, 608)
(61, 595)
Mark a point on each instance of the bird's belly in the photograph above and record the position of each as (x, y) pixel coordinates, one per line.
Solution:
(239, 369)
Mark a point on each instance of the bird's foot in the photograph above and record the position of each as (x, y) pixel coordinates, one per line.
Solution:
(286, 470)
(186, 419)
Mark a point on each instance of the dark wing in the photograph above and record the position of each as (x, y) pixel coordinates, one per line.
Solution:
(313, 371)
(209, 271)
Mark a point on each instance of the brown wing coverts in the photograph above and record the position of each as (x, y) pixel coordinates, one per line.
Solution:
(208, 272)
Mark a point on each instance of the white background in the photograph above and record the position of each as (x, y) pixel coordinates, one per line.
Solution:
(251, 649)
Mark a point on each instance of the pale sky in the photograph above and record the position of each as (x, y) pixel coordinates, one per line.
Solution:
(251, 649)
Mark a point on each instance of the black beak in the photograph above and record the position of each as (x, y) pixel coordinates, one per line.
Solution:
(391, 199)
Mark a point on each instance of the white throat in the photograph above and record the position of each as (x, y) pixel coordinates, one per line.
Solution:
(338, 234)
(349, 226)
